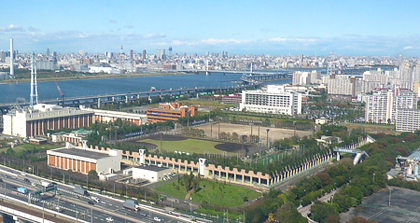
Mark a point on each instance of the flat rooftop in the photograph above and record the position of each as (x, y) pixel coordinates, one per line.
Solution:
(151, 168)
(81, 153)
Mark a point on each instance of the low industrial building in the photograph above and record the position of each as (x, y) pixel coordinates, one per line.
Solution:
(83, 159)
(38, 141)
(150, 172)
(112, 116)
(232, 99)
(44, 117)
(170, 112)
(74, 137)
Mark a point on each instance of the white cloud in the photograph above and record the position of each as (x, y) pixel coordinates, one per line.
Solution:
(282, 39)
(408, 47)
(33, 29)
(213, 41)
(12, 27)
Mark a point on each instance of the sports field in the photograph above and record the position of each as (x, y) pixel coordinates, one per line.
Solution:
(371, 128)
(171, 143)
(274, 133)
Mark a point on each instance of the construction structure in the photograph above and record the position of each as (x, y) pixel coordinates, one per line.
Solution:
(34, 85)
(84, 159)
(170, 112)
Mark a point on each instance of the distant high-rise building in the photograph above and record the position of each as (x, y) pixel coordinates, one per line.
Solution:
(222, 54)
(300, 59)
(54, 53)
(170, 51)
(48, 52)
(144, 55)
(160, 54)
(207, 53)
(12, 72)
(81, 52)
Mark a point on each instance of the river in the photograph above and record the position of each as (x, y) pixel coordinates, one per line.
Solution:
(74, 88)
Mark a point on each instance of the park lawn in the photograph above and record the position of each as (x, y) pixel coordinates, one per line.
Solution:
(211, 192)
(188, 146)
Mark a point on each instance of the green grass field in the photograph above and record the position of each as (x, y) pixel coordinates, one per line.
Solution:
(214, 193)
(189, 145)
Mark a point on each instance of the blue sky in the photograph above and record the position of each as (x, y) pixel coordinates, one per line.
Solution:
(360, 28)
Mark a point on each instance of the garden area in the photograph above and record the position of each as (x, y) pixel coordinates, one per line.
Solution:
(210, 192)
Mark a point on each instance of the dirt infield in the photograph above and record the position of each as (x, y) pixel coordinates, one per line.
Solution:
(273, 134)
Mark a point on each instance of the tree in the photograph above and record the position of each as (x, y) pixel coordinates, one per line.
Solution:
(320, 211)
(288, 214)
(332, 219)
(93, 173)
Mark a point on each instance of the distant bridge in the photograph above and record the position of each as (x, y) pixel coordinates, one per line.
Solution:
(98, 100)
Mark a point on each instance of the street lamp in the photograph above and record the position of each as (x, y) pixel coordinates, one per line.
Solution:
(389, 199)
(267, 136)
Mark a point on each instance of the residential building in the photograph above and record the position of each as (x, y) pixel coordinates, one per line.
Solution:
(112, 116)
(382, 105)
(408, 120)
(273, 99)
(232, 99)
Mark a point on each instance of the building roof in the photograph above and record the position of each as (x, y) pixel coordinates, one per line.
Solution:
(415, 154)
(81, 153)
(151, 168)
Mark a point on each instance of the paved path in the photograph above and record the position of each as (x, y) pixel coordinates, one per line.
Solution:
(304, 211)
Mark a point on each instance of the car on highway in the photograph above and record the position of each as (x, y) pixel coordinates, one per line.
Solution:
(109, 219)
(143, 214)
(91, 203)
(73, 205)
(157, 219)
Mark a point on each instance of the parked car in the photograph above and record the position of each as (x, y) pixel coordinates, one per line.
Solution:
(157, 219)
(91, 203)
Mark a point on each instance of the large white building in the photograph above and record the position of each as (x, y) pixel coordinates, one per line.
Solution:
(306, 78)
(151, 173)
(408, 120)
(274, 99)
(43, 117)
(83, 159)
(382, 105)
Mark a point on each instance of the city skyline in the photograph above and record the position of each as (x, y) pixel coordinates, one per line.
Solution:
(355, 28)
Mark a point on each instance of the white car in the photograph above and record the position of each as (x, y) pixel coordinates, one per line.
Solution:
(157, 219)
(109, 219)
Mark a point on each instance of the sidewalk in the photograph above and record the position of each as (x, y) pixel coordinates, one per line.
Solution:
(304, 211)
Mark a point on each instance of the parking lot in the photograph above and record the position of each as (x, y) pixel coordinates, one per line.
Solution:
(405, 207)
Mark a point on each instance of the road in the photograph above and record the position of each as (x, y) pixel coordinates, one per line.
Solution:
(77, 206)
(304, 211)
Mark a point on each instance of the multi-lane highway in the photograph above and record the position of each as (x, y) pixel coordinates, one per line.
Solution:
(65, 201)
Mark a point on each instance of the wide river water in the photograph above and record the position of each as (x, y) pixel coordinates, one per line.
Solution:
(74, 88)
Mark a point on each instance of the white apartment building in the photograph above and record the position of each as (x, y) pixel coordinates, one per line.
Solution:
(306, 78)
(274, 99)
(408, 120)
(340, 84)
(382, 105)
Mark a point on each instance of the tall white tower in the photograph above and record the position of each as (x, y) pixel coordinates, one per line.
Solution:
(12, 72)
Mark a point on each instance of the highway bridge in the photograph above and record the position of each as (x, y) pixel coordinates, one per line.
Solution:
(98, 100)
(63, 202)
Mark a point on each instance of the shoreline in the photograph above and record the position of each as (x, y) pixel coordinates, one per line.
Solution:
(100, 76)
